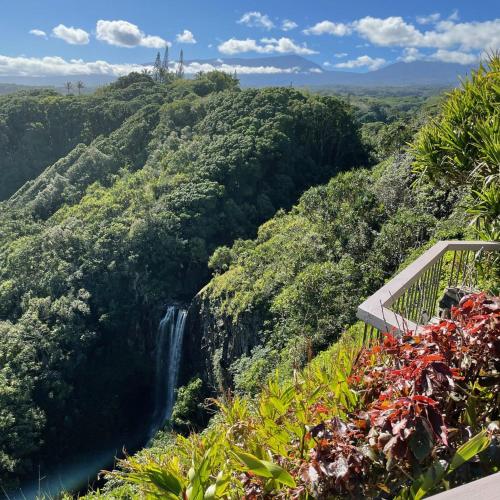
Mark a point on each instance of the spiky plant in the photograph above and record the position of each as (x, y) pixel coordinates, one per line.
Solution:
(461, 148)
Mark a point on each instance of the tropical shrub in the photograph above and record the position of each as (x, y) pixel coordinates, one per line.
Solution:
(461, 148)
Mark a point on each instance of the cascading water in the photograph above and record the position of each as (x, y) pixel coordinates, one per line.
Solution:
(168, 356)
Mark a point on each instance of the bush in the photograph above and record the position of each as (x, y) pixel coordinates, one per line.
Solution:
(462, 146)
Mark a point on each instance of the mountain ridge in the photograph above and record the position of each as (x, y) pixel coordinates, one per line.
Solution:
(303, 72)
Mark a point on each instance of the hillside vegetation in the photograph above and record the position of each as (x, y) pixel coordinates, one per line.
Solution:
(93, 248)
(394, 418)
(258, 211)
(388, 420)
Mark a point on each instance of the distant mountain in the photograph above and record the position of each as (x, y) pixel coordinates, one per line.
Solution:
(295, 70)
(56, 80)
(299, 71)
(282, 62)
(417, 72)
(306, 72)
(9, 88)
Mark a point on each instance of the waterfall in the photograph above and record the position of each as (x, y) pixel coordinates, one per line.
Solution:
(168, 357)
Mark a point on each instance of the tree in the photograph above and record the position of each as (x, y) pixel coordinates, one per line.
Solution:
(79, 86)
(165, 62)
(180, 67)
(157, 68)
(68, 86)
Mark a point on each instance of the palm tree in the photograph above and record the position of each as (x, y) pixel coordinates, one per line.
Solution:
(68, 86)
(79, 86)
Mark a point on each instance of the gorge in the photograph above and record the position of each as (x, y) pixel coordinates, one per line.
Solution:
(124, 224)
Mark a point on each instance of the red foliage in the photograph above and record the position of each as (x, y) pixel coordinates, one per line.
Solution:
(336, 464)
(413, 391)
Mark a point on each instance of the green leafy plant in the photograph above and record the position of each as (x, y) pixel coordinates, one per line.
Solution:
(461, 147)
(438, 471)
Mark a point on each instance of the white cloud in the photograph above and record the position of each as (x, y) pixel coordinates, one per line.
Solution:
(394, 31)
(315, 70)
(235, 46)
(411, 54)
(185, 37)
(256, 20)
(57, 66)
(196, 67)
(73, 36)
(430, 19)
(454, 56)
(363, 62)
(339, 55)
(125, 34)
(466, 36)
(389, 31)
(328, 28)
(264, 46)
(445, 34)
(37, 32)
(288, 25)
(454, 16)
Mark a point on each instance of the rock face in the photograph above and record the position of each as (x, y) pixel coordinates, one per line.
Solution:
(213, 341)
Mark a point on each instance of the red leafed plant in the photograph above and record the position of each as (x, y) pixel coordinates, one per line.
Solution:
(420, 397)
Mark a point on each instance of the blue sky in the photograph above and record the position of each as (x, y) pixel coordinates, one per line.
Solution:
(110, 37)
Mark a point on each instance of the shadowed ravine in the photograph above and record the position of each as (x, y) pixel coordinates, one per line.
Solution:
(81, 473)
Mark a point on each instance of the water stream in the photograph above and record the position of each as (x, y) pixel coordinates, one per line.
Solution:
(168, 357)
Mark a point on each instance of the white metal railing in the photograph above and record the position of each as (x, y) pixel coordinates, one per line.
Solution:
(411, 297)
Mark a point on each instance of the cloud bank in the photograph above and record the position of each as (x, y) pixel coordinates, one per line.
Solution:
(57, 66)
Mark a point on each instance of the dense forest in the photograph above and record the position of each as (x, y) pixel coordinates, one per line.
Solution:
(149, 183)
(267, 214)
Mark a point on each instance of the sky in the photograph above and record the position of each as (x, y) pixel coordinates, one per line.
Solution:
(113, 37)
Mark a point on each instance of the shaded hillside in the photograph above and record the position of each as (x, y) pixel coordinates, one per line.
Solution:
(291, 292)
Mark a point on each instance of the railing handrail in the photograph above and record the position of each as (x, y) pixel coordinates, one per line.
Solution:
(375, 309)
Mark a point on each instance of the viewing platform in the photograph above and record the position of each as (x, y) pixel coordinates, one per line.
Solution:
(441, 275)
